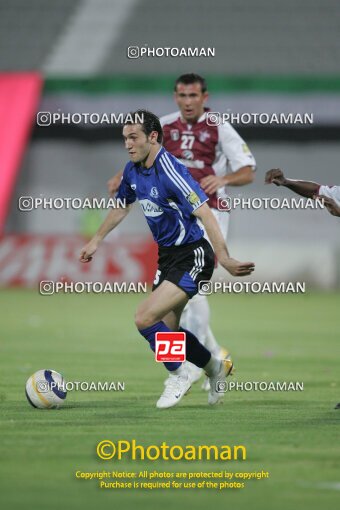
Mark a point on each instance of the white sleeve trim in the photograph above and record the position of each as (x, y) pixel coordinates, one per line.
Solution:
(331, 192)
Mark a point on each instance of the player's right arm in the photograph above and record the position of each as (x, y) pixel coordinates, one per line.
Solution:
(114, 183)
(113, 219)
(307, 189)
(116, 215)
(331, 205)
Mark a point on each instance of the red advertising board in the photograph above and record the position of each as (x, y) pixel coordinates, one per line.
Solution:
(26, 259)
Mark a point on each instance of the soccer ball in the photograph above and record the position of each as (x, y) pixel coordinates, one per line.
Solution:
(45, 389)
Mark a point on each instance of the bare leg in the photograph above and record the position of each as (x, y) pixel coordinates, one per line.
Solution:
(167, 301)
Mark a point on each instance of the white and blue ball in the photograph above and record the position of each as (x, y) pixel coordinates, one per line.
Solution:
(45, 389)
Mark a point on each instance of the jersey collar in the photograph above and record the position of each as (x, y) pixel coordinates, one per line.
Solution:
(147, 171)
(159, 153)
(204, 115)
(200, 119)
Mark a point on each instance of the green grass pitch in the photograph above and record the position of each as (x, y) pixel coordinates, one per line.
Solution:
(294, 436)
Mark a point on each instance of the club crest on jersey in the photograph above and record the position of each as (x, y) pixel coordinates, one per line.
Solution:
(174, 134)
(154, 192)
(193, 198)
(133, 186)
(203, 136)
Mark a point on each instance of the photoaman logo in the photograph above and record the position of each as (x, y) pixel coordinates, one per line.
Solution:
(170, 346)
(122, 449)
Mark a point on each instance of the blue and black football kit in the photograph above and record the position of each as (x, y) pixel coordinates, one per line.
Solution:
(168, 196)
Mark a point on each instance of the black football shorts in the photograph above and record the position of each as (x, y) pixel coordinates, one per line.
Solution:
(185, 265)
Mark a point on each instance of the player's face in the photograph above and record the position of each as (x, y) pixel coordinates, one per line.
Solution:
(190, 100)
(136, 143)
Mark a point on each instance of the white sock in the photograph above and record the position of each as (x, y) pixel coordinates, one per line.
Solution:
(195, 317)
(180, 371)
(213, 366)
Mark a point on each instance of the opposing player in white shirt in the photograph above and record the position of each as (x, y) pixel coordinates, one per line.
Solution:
(309, 189)
(216, 157)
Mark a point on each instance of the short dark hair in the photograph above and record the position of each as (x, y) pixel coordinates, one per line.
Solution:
(150, 122)
(189, 79)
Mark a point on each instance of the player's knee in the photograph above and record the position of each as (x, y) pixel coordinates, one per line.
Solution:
(144, 319)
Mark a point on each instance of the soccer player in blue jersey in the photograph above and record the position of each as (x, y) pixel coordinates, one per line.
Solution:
(171, 201)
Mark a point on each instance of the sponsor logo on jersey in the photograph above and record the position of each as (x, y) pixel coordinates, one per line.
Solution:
(192, 164)
(203, 136)
(193, 198)
(174, 134)
(150, 208)
(154, 192)
(188, 154)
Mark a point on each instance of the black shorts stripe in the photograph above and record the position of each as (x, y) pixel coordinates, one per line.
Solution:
(186, 265)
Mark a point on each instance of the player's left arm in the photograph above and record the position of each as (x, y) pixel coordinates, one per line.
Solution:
(243, 176)
(234, 267)
(240, 159)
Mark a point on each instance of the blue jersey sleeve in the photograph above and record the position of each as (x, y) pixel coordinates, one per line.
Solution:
(188, 193)
(125, 192)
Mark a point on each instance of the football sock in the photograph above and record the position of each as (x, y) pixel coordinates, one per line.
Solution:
(195, 318)
(181, 371)
(196, 353)
(150, 335)
(212, 344)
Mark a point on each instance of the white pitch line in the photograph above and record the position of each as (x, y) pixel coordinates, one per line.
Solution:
(321, 485)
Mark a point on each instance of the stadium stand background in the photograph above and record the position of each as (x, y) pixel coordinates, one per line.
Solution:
(270, 57)
(251, 37)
